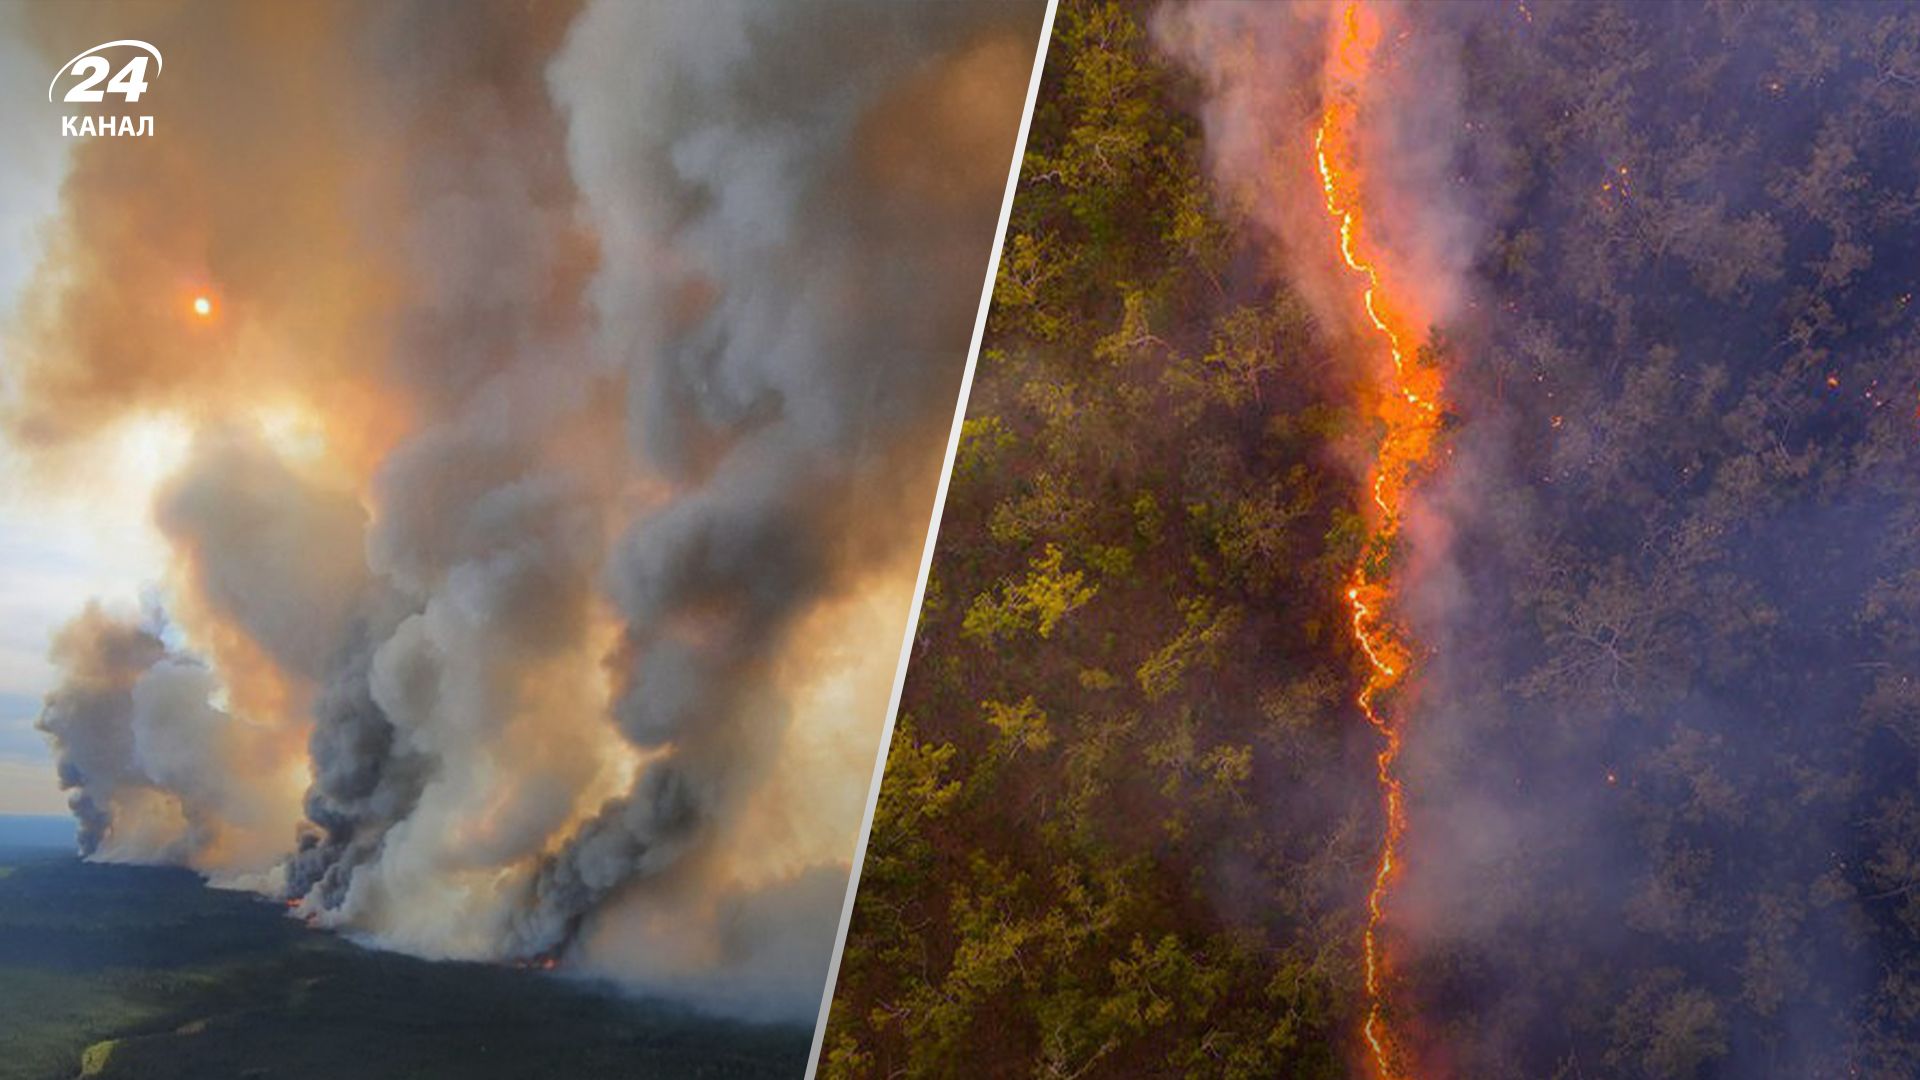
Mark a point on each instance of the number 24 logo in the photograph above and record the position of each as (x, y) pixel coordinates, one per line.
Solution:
(129, 82)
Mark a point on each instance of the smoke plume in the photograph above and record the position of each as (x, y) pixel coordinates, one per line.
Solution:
(563, 436)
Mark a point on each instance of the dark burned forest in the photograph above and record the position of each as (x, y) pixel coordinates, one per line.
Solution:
(1662, 752)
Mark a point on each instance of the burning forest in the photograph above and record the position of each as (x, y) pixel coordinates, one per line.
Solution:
(538, 411)
(1426, 586)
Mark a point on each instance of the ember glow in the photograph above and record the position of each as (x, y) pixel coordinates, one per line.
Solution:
(1407, 402)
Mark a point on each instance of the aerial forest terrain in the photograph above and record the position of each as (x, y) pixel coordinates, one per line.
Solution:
(1662, 747)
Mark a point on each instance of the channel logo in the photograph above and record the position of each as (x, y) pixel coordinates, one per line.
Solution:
(85, 75)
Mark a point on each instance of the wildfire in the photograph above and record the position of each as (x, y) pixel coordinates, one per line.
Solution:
(1409, 406)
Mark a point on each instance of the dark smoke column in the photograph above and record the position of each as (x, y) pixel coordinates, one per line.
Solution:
(794, 362)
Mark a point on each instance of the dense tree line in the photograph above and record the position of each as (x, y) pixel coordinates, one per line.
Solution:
(1125, 829)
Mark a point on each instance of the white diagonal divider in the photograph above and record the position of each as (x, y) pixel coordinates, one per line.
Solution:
(933, 538)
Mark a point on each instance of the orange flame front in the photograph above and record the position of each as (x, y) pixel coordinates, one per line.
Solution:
(1408, 404)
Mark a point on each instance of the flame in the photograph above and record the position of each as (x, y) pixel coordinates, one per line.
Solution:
(1409, 405)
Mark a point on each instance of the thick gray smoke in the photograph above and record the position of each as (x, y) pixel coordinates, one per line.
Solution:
(90, 718)
(561, 529)
(156, 770)
(816, 251)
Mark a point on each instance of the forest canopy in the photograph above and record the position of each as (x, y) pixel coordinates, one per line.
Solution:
(1662, 753)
